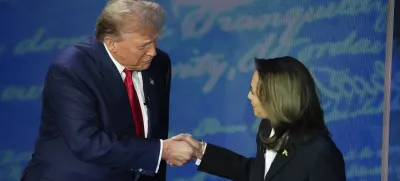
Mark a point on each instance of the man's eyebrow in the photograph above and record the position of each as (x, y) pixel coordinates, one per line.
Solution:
(149, 41)
(146, 42)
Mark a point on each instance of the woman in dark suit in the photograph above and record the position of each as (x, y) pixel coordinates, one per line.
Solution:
(293, 142)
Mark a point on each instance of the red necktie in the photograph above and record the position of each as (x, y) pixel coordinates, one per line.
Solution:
(135, 104)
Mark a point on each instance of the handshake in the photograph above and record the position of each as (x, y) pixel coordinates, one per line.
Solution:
(181, 149)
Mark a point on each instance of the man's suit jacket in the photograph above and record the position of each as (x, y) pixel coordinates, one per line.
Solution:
(317, 160)
(87, 131)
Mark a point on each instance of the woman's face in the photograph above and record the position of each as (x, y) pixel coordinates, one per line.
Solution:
(258, 108)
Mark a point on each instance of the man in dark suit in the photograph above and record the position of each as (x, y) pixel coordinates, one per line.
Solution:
(106, 102)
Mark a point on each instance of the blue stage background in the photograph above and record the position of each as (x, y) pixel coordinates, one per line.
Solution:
(212, 45)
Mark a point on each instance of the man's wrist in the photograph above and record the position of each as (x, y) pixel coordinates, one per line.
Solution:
(164, 151)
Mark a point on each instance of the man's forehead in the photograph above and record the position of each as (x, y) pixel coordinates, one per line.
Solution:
(147, 32)
(151, 38)
(144, 37)
(140, 37)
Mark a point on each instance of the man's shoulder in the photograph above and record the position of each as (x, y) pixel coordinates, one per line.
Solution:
(162, 57)
(162, 54)
(76, 55)
(161, 63)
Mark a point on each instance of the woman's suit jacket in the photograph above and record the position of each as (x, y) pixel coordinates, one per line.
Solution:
(317, 160)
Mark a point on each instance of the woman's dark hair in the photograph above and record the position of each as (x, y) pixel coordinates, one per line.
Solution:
(288, 93)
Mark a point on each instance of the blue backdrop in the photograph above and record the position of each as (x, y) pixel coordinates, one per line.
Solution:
(212, 45)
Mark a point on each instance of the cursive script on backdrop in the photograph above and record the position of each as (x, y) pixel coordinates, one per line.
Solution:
(209, 13)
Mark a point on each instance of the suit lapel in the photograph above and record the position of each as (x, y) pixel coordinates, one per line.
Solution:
(257, 171)
(281, 159)
(150, 94)
(115, 89)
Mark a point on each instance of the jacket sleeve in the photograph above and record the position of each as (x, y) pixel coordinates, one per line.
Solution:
(74, 111)
(225, 163)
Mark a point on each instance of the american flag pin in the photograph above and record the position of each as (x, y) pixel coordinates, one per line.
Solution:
(285, 152)
(151, 81)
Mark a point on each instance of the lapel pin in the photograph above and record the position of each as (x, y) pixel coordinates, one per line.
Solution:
(151, 81)
(285, 153)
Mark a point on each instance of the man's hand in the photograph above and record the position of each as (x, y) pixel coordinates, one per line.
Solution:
(191, 141)
(176, 152)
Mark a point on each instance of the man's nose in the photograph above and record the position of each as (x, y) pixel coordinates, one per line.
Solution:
(152, 50)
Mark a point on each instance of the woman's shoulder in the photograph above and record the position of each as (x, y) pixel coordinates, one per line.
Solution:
(324, 158)
(320, 144)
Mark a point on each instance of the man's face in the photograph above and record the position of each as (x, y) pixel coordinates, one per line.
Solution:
(136, 50)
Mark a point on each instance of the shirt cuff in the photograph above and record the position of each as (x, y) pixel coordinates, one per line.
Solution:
(198, 161)
(159, 156)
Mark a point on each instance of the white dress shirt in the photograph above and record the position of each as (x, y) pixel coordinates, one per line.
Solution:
(269, 156)
(138, 83)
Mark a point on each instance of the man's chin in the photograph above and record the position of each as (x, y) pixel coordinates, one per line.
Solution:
(143, 66)
(146, 66)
